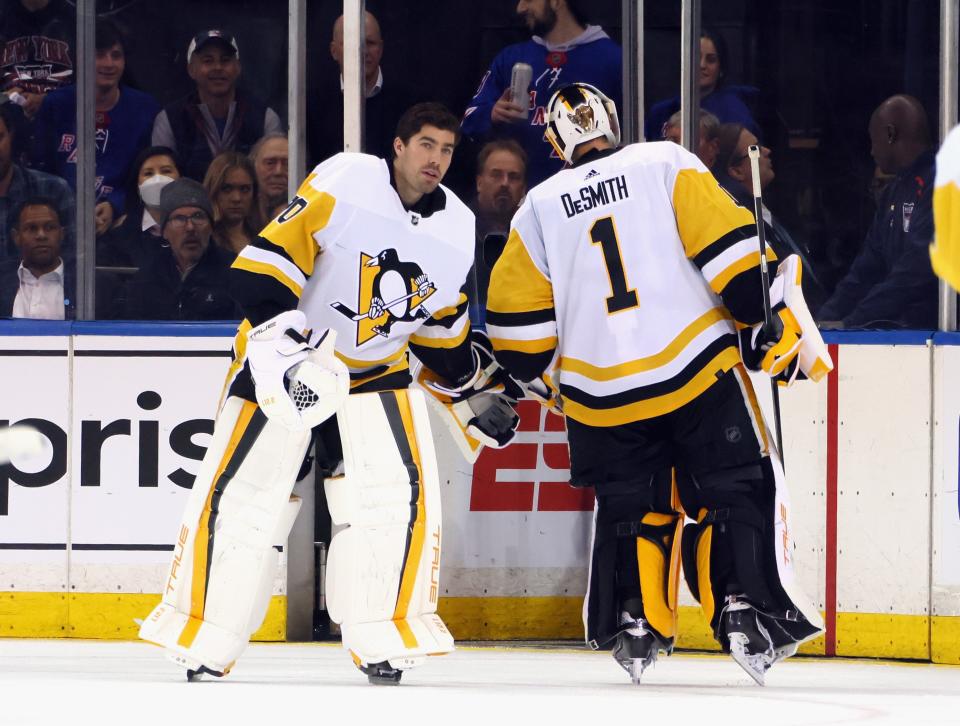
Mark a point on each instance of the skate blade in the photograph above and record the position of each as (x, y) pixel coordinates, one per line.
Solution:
(756, 666)
(636, 666)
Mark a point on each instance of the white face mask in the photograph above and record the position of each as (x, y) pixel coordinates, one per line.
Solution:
(151, 187)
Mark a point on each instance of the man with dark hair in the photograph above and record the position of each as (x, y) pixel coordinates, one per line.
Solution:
(563, 49)
(369, 261)
(41, 285)
(36, 38)
(501, 184)
(217, 116)
(385, 99)
(18, 183)
(186, 279)
(891, 282)
(124, 120)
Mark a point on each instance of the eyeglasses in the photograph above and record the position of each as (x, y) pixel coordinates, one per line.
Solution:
(180, 220)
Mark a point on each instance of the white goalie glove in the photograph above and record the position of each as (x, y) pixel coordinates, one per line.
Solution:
(298, 380)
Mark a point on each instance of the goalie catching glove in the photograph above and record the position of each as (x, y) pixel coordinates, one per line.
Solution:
(482, 408)
(298, 380)
(792, 344)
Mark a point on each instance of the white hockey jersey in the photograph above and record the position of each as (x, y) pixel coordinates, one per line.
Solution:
(945, 250)
(348, 254)
(623, 277)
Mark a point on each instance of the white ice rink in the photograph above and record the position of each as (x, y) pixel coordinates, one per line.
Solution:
(76, 683)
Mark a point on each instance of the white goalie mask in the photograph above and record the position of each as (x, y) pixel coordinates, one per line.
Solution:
(578, 113)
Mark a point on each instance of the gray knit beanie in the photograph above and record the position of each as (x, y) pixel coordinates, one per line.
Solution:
(183, 192)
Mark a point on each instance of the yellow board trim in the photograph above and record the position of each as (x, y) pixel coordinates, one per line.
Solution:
(198, 575)
(722, 362)
(111, 616)
(107, 616)
(883, 635)
(415, 554)
(649, 363)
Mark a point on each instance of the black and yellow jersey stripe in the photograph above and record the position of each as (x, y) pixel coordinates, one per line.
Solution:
(720, 237)
(521, 320)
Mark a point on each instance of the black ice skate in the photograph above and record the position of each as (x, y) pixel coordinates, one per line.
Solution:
(636, 646)
(382, 674)
(749, 641)
(200, 672)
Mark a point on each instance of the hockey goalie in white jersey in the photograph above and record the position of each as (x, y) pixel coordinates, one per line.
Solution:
(368, 261)
(625, 279)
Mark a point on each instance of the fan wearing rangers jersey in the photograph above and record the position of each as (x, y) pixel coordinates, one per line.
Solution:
(366, 265)
(631, 282)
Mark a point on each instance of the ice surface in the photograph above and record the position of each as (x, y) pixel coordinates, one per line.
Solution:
(75, 683)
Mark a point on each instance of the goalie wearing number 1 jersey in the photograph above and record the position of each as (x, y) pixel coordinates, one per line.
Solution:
(368, 263)
(631, 282)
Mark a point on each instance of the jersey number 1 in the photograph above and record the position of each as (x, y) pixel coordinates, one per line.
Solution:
(603, 233)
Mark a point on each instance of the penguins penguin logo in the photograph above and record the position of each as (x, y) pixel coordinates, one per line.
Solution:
(391, 291)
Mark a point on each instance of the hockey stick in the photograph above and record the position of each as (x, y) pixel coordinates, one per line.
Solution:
(754, 153)
(341, 308)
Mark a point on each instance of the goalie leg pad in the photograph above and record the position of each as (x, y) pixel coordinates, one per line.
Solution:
(740, 546)
(635, 562)
(383, 566)
(219, 582)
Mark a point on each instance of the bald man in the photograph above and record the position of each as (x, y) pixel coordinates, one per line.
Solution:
(891, 283)
(386, 99)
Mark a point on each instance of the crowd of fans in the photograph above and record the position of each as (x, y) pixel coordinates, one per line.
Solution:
(181, 189)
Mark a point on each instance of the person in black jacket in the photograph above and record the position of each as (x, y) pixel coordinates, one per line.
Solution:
(187, 278)
(891, 283)
(386, 100)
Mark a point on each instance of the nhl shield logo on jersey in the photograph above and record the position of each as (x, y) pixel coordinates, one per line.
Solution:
(390, 290)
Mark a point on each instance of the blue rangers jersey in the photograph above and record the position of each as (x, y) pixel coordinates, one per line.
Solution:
(590, 58)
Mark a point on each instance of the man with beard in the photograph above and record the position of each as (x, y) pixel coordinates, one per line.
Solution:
(564, 49)
(41, 285)
(501, 184)
(366, 266)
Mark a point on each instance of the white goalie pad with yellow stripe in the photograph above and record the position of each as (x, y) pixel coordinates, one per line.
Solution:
(383, 567)
(220, 578)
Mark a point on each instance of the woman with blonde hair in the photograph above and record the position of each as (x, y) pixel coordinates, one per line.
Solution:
(231, 184)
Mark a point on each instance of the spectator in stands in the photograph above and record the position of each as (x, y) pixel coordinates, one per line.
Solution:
(727, 102)
(18, 183)
(891, 282)
(270, 157)
(501, 185)
(136, 237)
(39, 284)
(231, 185)
(385, 101)
(732, 170)
(217, 116)
(186, 280)
(707, 145)
(564, 49)
(124, 120)
(37, 38)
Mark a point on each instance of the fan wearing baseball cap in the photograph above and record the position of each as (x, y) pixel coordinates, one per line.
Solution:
(217, 116)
